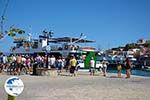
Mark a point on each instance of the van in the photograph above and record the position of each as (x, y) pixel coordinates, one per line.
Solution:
(80, 64)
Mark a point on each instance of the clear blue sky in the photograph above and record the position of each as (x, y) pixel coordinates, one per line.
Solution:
(111, 23)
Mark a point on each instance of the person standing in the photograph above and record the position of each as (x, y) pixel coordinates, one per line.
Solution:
(119, 68)
(92, 66)
(73, 63)
(1, 63)
(67, 63)
(59, 63)
(28, 64)
(19, 65)
(104, 67)
(128, 68)
(52, 61)
(39, 60)
(5, 61)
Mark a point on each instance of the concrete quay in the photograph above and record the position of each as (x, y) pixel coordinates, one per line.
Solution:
(81, 87)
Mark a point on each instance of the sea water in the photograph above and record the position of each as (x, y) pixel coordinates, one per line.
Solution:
(138, 72)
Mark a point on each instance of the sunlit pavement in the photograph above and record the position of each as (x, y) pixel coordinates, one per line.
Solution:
(81, 87)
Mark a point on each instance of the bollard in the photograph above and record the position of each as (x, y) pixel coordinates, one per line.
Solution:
(11, 97)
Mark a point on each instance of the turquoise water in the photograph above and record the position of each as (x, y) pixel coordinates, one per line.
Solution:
(134, 72)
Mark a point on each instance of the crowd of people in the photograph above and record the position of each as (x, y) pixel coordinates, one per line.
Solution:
(16, 64)
(127, 66)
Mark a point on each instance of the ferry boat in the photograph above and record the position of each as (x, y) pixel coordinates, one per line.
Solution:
(61, 46)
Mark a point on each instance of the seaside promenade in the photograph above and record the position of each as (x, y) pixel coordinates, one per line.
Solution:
(81, 87)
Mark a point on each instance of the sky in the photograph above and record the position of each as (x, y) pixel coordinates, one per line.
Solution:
(111, 23)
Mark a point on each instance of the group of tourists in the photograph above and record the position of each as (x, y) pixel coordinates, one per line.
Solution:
(15, 64)
(127, 65)
(19, 62)
(103, 68)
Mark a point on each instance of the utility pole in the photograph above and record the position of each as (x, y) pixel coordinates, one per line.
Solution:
(2, 19)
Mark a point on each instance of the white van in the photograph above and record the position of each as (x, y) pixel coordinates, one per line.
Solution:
(81, 64)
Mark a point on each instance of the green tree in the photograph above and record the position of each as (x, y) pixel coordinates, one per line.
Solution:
(118, 48)
(147, 45)
(130, 46)
(12, 32)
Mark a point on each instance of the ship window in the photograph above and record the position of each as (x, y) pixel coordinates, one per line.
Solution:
(35, 45)
(19, 45)
(26, 44)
